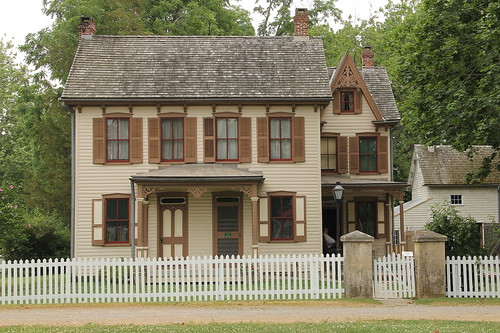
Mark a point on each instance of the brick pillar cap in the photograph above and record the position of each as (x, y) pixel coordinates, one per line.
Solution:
(429, 236)
(356, 237)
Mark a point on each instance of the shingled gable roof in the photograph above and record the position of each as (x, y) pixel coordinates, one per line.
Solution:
(377, 84)
(443, 165)
(174, 68)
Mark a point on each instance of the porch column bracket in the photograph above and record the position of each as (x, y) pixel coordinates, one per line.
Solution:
(247, 190)
(147, 191)
(197, 191)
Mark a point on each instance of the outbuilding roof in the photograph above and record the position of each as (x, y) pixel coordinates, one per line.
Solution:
(443, 165)
(165, 68)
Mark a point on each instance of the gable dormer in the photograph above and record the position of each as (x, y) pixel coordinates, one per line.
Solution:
(348, 88)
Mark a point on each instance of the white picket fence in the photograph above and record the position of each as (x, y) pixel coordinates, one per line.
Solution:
(473, 277)
(394, 276)
(173, 279)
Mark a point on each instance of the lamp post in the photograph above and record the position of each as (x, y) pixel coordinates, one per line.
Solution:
(338, 192)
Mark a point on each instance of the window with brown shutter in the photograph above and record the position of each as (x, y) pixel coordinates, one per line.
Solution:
(117, 138)
(347, 101)
(280, 138)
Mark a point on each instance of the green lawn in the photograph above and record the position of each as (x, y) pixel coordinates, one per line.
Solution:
(391, 326)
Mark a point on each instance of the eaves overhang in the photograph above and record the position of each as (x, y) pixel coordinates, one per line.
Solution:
(320, 100)
(191, 180)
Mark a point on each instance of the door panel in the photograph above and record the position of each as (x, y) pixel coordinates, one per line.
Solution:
(228, 224)
(173, 227)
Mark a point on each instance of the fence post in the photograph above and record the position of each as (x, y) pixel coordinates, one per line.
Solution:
(358, 265)
(430, 268)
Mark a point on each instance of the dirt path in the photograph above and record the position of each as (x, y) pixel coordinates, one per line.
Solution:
(234, 312)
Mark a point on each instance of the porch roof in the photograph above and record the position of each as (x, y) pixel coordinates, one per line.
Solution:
(198, 173)
(331, 180)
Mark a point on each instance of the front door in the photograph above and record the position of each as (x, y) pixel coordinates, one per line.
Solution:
(173, 229)
(228, 224)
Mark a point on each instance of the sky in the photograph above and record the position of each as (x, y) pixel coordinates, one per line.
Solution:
(20, 17)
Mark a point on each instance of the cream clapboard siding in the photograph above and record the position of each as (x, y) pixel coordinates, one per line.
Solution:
(351, 124)
(92, 181)
(481, 203)
(418, 190)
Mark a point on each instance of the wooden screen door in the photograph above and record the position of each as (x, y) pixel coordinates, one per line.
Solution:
(173, 229)
(228, 224)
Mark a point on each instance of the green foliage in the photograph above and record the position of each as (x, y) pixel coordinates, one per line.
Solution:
(278, 18)
(35, 235)
(448, 69)
(463, 232)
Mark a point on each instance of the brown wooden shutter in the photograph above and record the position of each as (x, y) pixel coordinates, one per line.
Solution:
(336, 101)
(98, 231)
(381, 229)
(264, 225)
(154, 140)
(382, 154)
(99, 140)
(136, 141)
(245, 140)
(190, 146)
(208, 140)
(299, 149)
(354, 154)
(342, 155)
(262, 140)
(299, 228)
(358, 96)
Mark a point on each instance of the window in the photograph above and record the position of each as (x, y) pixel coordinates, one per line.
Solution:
(368, 154)
(328, 154)
(172, 139)
(227, 139)
(280, 138)
(281, 218)
(117, 220)
(366, 217)
(347, 101)
(456, 199)
(117, 138)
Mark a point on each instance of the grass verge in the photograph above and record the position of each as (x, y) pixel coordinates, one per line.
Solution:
(361, 327)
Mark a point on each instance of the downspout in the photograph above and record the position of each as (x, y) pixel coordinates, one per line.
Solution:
(73, 165)
(132, 219)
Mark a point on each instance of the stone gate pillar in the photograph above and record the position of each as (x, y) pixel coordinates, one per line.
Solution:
(430, 270)
(358, 265)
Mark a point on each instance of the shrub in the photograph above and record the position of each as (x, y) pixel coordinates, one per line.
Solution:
(463, 232)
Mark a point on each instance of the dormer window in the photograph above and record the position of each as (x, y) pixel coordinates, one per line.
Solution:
(347, 101)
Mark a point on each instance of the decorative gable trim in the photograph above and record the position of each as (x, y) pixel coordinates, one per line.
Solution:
(348, 76)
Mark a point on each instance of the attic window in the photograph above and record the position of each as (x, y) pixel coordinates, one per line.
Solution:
(456, 199)
(347, 101)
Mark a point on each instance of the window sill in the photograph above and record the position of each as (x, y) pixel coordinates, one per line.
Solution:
(116, 245)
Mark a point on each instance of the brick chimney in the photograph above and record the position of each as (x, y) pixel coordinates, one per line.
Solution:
(367, 56)
(301, 22)
(86, 27)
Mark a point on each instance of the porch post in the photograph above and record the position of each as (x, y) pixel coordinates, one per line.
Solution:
(142, 226)
(402, 239)
(255, 221)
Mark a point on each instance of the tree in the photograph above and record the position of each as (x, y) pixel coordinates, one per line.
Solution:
(278, 21)
(463, 233)
(448, 72)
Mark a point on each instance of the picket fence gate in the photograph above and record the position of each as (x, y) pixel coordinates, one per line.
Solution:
(473, 276)
(394, 276)
(86, 280)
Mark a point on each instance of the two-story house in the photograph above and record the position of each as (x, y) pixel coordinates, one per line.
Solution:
(214, 145)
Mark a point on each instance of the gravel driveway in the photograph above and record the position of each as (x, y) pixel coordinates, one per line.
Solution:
(235, 312)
